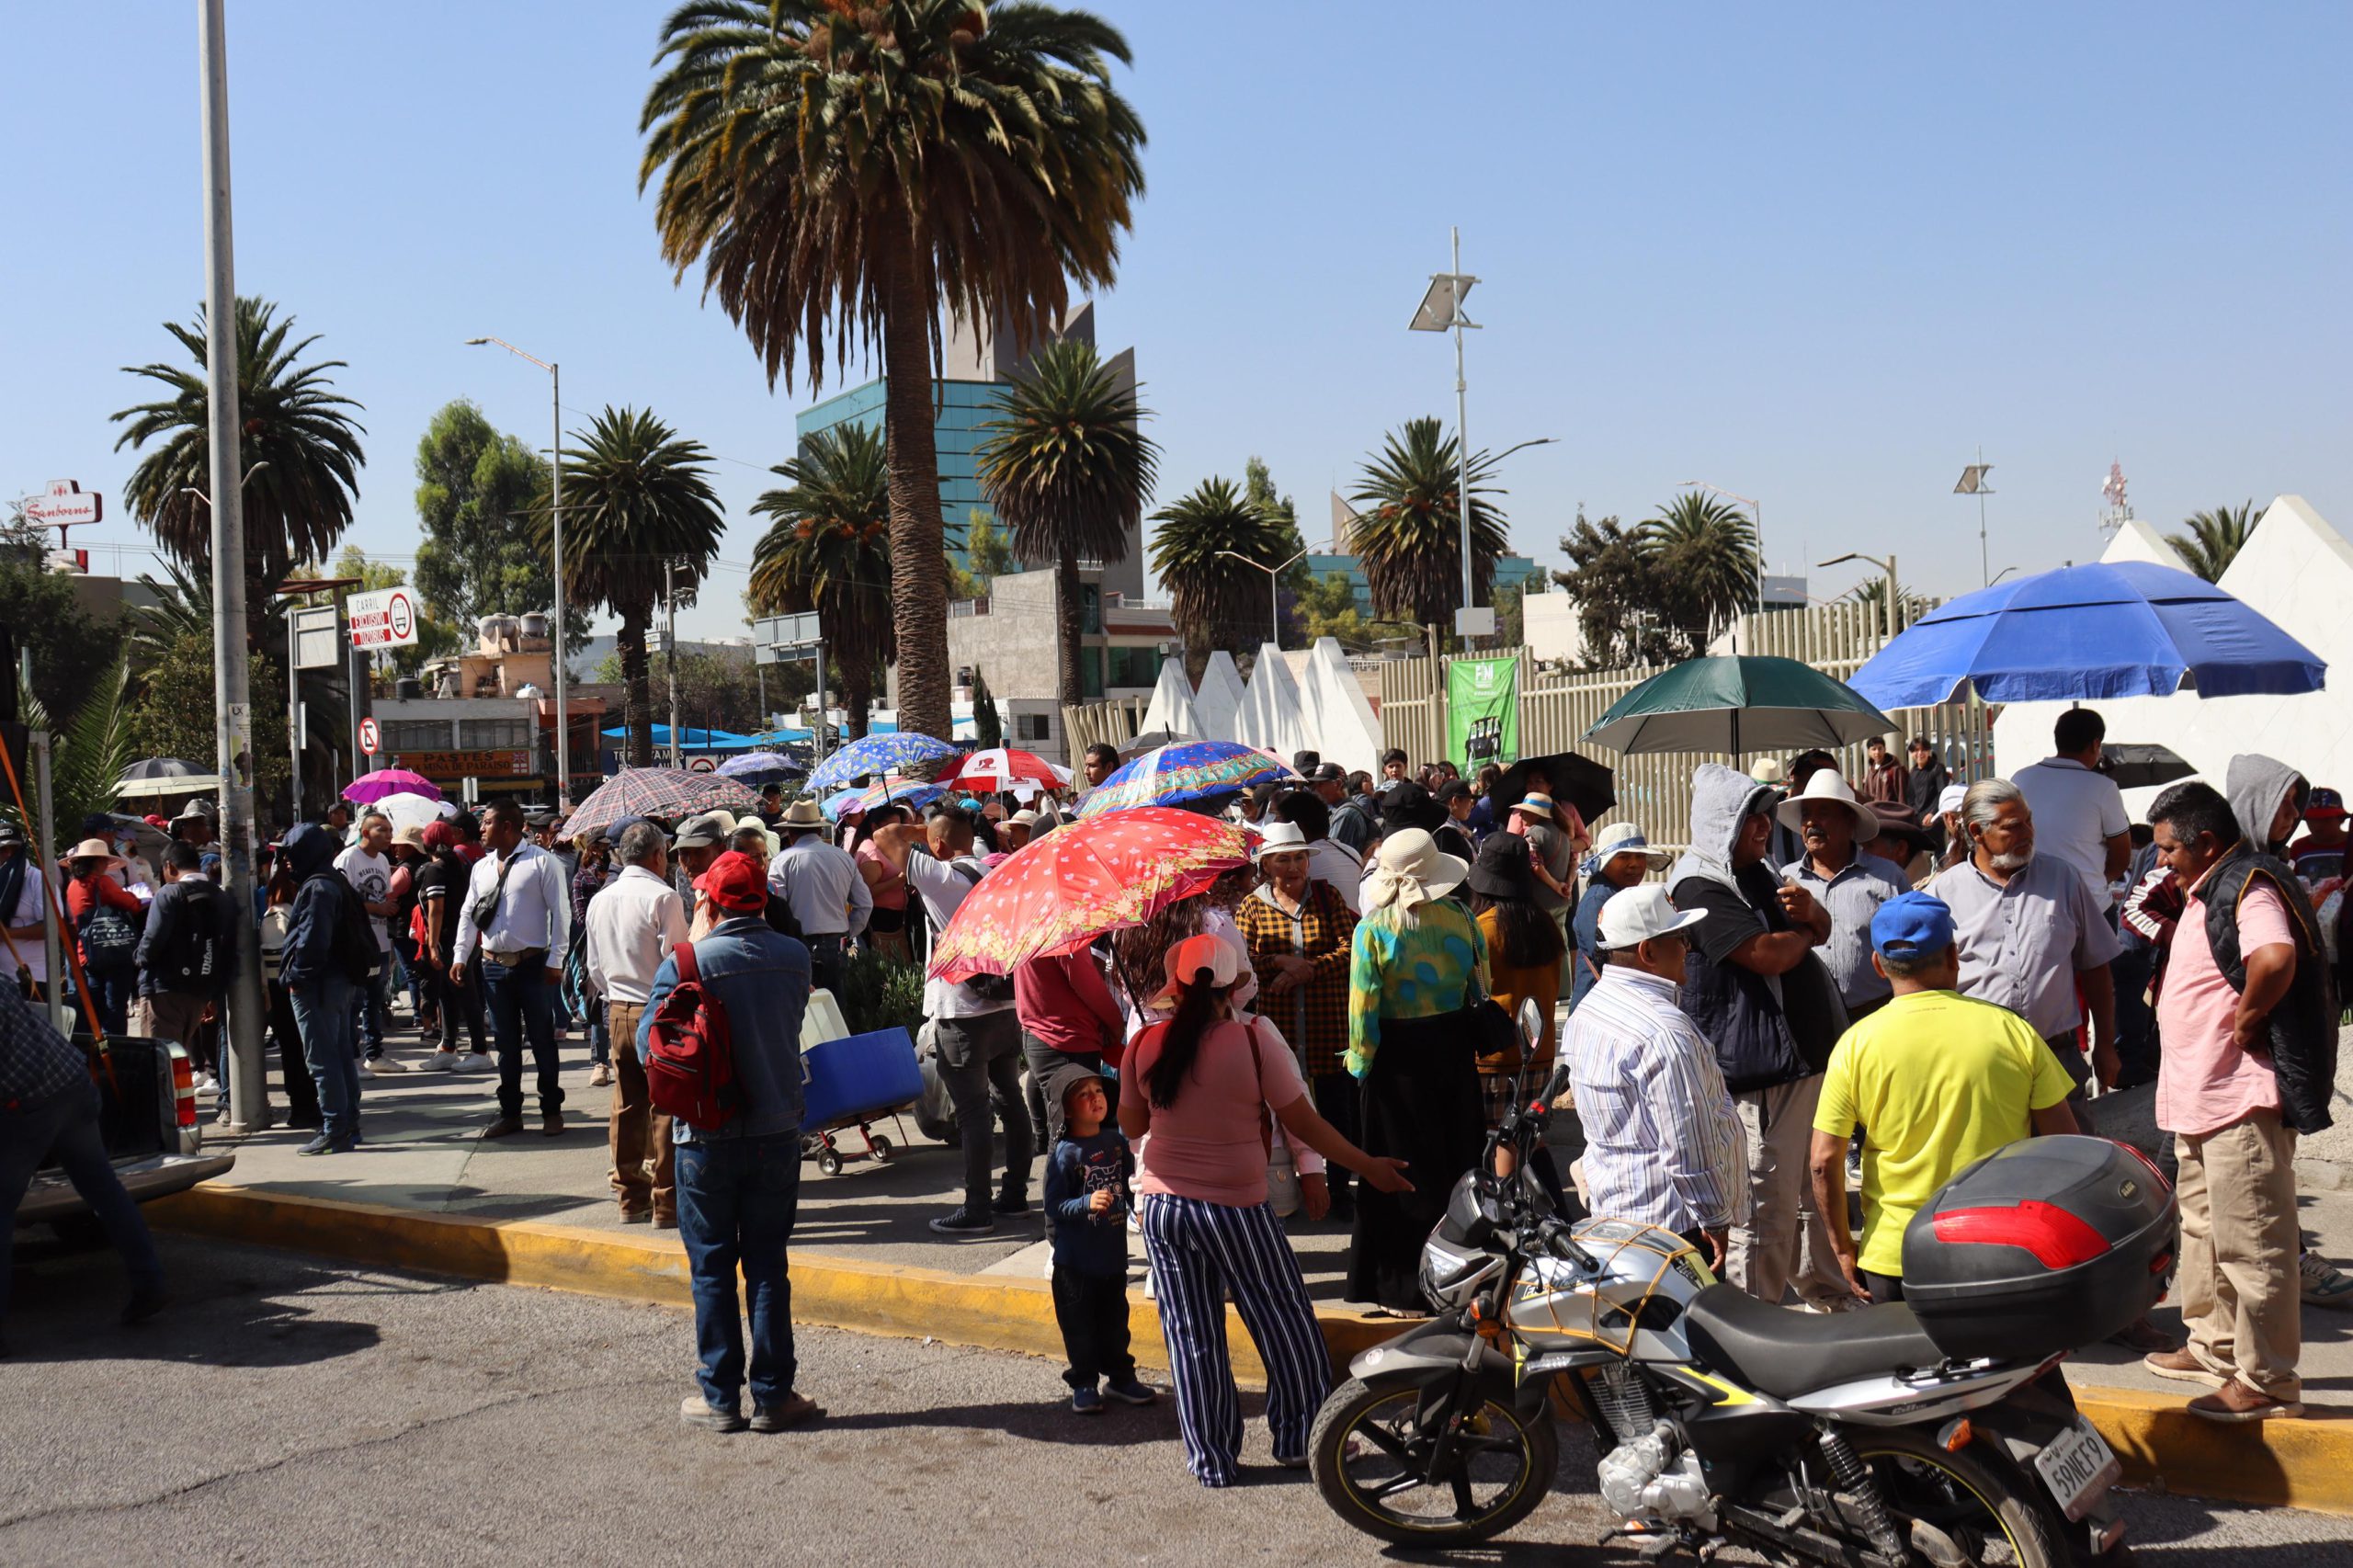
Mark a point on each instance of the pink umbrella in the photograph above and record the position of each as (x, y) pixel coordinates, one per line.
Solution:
(373, 787)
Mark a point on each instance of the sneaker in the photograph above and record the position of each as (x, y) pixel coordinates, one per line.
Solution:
(666, 1222)
(1291, 1462)
(2236, 1402)
(697, 1411)
(440, 1061)
(474, 1061)
(505, 1127)
(2324, 1284)
(367, 1068)
(965, 1221)
(601, 1075)
(1011, 1202)
(205, 1083)
(1131, 1390)
(386, 1064)
(795, 1410)
(1085, 1401)
(2142, 1334)
(310, 1123)
(322, 1144)
(2181, 1367)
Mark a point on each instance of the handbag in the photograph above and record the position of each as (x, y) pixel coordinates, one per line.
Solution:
(1283, 1193)
(1494, 1039)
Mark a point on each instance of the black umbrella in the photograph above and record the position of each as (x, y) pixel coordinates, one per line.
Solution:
(165, 768)
(2137, 766)
(1576, 780)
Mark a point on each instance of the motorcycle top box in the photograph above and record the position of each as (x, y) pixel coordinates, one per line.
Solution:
(2039, 1247)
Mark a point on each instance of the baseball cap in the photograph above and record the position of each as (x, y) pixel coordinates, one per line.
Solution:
(1636, 914)
(1191, 956)
(2325, 804)
(1328, 773)
(1912, 925)
(1452, 790)
(735, 882)
(439, 836)
(704, 832)
(11, 835)
(1951, 798)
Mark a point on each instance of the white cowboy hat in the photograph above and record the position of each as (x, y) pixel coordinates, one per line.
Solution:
(1636, 915)
(1826, 785)
(1769, 770)
(1281, 838)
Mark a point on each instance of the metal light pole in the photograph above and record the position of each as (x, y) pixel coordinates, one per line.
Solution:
(670, 650)
(555, 497)
(1887, 566)
(1973, 482)
(232, 731)
(1274, 581)
(1441, 311)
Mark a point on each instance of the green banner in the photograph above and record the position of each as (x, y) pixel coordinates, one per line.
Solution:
(1477, 690)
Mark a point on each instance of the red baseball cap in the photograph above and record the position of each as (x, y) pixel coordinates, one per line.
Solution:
(735, 882)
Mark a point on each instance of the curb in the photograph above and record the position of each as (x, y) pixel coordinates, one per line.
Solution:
(2302, 1463)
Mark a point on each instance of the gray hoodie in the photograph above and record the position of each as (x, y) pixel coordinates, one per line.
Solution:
(2256, 785)
(1721, 798)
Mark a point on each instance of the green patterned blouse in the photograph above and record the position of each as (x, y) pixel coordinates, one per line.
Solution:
(1435, 963)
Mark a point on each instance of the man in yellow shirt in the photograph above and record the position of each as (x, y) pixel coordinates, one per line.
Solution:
(1935, 1080)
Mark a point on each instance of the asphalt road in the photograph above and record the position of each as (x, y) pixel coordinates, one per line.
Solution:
(285, 1411)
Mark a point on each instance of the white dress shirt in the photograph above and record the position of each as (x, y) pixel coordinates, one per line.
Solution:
(535, 910)
(632, 923)
(828, 896)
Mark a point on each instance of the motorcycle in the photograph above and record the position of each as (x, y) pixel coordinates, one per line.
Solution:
(1853, 1438)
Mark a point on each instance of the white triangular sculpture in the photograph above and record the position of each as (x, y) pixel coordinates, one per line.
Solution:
(1253, 720)
(2136, 540)
(1217, 702)
(2296, 571)
(1274, 705)
(1172, 702)
(1345, 731)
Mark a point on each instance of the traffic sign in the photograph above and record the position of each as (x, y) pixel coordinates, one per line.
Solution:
(65, 504)
(701, 765)
(383, 619)
(371, 739)
(314, 638)
(786, 630)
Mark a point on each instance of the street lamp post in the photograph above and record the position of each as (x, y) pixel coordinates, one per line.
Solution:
(1887, 566)
(1441, 311)
(555, 497)
(1274, 580)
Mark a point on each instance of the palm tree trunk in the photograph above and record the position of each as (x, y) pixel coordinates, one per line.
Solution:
(636, 707)
(857, 694)
(1071, 682)
(918, 581)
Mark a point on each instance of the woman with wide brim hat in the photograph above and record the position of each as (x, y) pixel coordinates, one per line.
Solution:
(1418, 964)
(1524, 951)
(93, 897)
(1621, 858)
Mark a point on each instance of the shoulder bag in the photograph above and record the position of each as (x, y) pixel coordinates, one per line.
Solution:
(1282, 1166)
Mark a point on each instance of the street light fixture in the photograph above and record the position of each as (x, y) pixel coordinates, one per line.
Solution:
(1973, 482)
(1274, 579)
(1441, 311)
(555, 457)
(1887, 566)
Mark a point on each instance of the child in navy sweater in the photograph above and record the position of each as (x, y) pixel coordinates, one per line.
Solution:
(1086, 1194)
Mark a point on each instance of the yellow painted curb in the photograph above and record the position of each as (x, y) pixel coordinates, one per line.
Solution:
(2304, 1463)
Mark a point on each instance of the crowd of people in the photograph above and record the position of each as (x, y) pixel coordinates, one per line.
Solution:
(1832, 982)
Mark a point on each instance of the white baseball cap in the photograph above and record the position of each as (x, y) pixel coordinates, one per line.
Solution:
(1638, 913)
(1951, 797)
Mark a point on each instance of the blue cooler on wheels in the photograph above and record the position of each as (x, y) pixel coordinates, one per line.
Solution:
(858, 1078)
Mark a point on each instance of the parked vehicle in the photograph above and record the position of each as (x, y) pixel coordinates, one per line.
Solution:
(148, 1112)
(1937, 1430)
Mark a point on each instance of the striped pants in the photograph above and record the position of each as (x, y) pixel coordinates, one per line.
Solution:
(1201, 1252)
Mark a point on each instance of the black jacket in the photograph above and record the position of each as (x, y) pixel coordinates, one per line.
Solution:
(2304, 1026)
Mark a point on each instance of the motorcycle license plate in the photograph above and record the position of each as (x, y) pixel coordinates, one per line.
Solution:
(2078, 1468)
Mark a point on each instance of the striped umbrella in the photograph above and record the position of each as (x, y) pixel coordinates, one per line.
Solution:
(665, 792)
(1190, 771)
(875, 755)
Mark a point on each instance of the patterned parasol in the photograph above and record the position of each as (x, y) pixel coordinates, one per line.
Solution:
(756, 767)
(665, 792)
(906, 752)
(1063, 891)
(386, 781)
(1000, 767)
(1189, 771)
(912, 792)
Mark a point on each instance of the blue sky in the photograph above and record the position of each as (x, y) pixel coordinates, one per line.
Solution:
(1815, 254)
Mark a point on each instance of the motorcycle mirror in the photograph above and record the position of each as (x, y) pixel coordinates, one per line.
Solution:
(1532, 1021)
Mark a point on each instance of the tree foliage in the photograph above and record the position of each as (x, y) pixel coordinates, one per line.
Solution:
(173, 713)
(1705, 549)
(1624, 601)
(482, 552)
(69, 647)
(1408, 533)
(2215, 539)
(852, 175)
(988, 724)
(828, 548)
(93, 742)
(1216, 601)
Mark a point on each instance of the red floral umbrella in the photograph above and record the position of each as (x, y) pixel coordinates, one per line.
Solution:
(1000, 767)
(1062, 892)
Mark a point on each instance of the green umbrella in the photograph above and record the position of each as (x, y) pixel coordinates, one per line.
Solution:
(1735, 705)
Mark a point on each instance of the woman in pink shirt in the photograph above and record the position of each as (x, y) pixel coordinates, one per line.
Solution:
(1202, 1085)
(886, 929)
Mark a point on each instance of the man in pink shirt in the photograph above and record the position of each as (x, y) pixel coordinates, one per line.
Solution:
(2231, 1019)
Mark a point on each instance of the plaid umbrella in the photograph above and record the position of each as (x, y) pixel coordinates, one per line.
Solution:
(906, 752)
(665, 792)
(1062, 892)
(386, 781)
(1174, 775)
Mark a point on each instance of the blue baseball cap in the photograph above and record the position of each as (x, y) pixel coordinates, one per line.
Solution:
(1912, 925)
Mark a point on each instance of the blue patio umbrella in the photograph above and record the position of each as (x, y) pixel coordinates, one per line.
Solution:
(2083, 633)
(904, 752)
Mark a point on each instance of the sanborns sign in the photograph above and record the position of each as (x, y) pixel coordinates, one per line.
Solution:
(65, 502)
(385, 620)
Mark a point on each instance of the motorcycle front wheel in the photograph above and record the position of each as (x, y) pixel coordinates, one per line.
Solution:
(1959, 1508)
(1372, 1468)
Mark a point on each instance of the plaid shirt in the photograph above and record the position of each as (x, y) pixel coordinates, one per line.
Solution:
(1315, 1015)
(37, 1064)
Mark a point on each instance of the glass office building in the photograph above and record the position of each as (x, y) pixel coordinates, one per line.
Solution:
(1511, 570)
(963, 407)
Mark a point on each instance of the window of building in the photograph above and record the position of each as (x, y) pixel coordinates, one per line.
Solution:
(493, 734)
(1031, 726)
(1133, 667)
(1090, 673)
(1090, 608)
(417, 735)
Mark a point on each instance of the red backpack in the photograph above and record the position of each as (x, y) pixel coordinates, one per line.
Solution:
(690, 1053)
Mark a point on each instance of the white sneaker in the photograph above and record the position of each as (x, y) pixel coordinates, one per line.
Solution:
(440, 1061)
(475, 1062)
(364, 1070)
(205, 1083)
(386, 1064)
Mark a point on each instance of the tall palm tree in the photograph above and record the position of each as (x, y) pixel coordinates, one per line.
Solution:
(2214, 539)
(1213, 598)
(1408, 532)
(846, 172)
(1704, 548)
(635, 494)
(828, 549)
(1065, 467)
(293, 421)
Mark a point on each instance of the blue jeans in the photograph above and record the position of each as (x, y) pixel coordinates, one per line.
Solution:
(738, 1199)
(522, 1002)
(68, 1123)
(369, 1004)
(111, 990)
(323, 1011)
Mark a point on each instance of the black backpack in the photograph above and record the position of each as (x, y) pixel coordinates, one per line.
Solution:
(195, 959)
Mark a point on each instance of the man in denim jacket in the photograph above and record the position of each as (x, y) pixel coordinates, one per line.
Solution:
(739, 1184)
